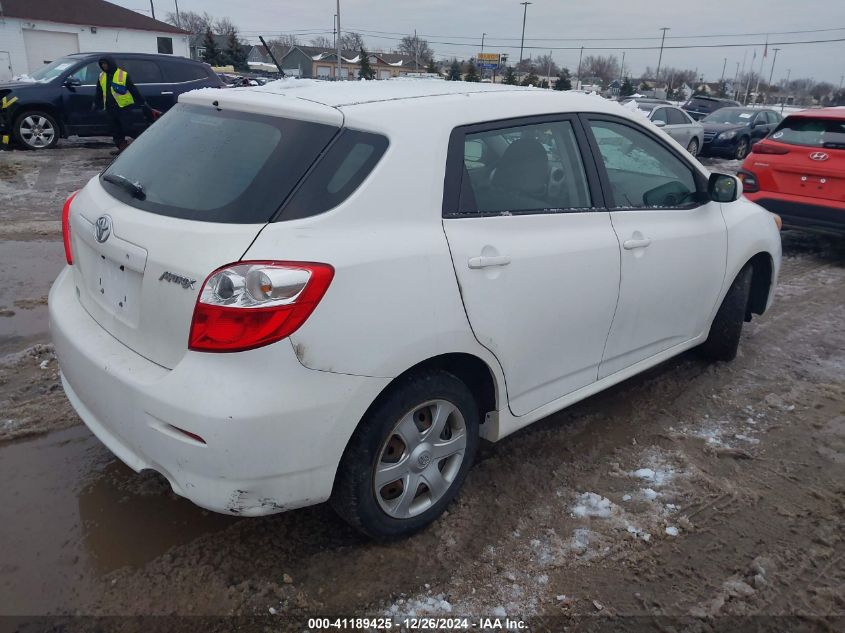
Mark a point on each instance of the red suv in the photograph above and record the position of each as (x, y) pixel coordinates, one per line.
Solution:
(798, 171)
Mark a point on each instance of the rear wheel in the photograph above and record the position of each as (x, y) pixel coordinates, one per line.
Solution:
(723, 341)
(692, 148)
(408, 458)
(36, 130)
(741, 149)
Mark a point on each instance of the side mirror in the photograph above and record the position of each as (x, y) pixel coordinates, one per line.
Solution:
(724, 188)
(72, 82)
(660, 123)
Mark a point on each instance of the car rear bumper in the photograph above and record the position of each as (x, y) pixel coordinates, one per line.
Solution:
(802, 212)
(274, 431)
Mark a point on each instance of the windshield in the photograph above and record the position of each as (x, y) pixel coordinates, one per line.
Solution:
(737, 116)
(199, 163)
(49, 72)
(827, 133)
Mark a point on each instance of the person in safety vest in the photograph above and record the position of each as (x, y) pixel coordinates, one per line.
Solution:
(116, 94)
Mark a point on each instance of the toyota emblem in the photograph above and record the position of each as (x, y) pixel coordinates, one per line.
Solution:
(102, 228)
(819, 156)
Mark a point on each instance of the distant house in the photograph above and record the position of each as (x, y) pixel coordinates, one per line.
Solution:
(320, 63)
(37, 32)
(197, 45)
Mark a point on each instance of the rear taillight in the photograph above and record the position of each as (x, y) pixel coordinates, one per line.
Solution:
(765, 148)
(749, 181)
(66, 227)
(250, 304)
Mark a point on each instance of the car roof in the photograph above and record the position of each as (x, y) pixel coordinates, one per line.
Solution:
(822, 113)
(387, 105)
(98, 54)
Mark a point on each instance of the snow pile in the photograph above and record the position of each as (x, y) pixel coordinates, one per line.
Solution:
(424, 605)
(589, 504)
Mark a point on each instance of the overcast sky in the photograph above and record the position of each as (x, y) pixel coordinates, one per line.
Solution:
(550, 24)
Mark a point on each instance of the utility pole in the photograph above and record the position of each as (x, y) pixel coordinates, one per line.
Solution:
(522, 41)
(724, 66)
(334, 31)
(772, 71)
(622, 71)
(416, 52)
(337, 43)
(178, 18)
(549, 72)
(482, 41)
(659, 60)
(578, 81)
(152, 9)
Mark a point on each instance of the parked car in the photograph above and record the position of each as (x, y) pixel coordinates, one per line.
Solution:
(731, 132)
(300, 317)
(676, 123)
(700, 106)
(799, 171)
(55, 101)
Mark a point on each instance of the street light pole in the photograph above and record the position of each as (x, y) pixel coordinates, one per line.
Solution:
(482, 41)
(337, 43)
(725, 65)
(622, 71)
(522, 41)
(578, 81)
(659, 59)
(153, 9)
(772, 71)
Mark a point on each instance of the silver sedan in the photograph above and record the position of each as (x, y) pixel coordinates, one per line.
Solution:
(677, 124)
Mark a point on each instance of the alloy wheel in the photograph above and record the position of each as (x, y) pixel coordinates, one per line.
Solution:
(37, 131)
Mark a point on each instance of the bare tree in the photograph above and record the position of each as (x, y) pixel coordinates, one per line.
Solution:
(543, 63)
(284, 41)
(352, 41)
(605, 68)
(321, 41)
(190, 21)
(416, 48)
(224, 26)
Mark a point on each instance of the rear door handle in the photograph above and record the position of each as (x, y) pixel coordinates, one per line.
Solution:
(486, 262)
(632, 244)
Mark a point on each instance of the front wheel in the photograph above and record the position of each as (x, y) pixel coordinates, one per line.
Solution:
(723, 341)
(692, 148)
(741, 149)
(36, 130)
(408, 458)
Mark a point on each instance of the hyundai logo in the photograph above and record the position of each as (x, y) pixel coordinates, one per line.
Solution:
(102, 228)
(819, 156)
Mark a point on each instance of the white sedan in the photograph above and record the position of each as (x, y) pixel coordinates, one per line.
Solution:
(311, 291)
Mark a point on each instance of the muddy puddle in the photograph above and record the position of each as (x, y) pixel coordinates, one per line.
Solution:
(72, 513)
(29, 269)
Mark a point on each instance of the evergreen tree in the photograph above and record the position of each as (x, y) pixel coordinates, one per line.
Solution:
(211, 54)
(564, 80)
(366, 71)
(454, 71)
(531, 79)
(472, 74)
(432, 67)
(510, 76)
(235, 53)
(627, 88)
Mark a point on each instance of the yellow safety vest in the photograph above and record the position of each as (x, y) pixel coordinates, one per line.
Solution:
(122, 96)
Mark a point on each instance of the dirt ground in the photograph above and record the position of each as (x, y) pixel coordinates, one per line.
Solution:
(697, 490)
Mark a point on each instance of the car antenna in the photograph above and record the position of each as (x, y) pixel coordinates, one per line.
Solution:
(270, 53)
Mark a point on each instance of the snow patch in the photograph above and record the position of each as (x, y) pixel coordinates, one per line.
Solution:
(589, 504)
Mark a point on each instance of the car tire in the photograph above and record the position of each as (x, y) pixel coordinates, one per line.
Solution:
(692, 148)
(36, 129)
(723, 340)
(741, 149)
(395, 439)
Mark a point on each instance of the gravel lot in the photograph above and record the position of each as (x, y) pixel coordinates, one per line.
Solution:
(696, 489)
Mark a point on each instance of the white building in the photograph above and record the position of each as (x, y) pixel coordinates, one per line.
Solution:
(37, 32)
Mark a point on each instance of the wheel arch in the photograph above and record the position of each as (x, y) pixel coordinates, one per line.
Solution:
(49, 108)
(762, 267)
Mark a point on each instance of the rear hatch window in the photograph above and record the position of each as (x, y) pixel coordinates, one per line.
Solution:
(200, 163)
(702, 105)
(811, 132)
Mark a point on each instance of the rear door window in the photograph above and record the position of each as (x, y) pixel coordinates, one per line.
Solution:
(142, 71)
(811, 132)
(677, 117)
(202, 164)
(180, 72)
